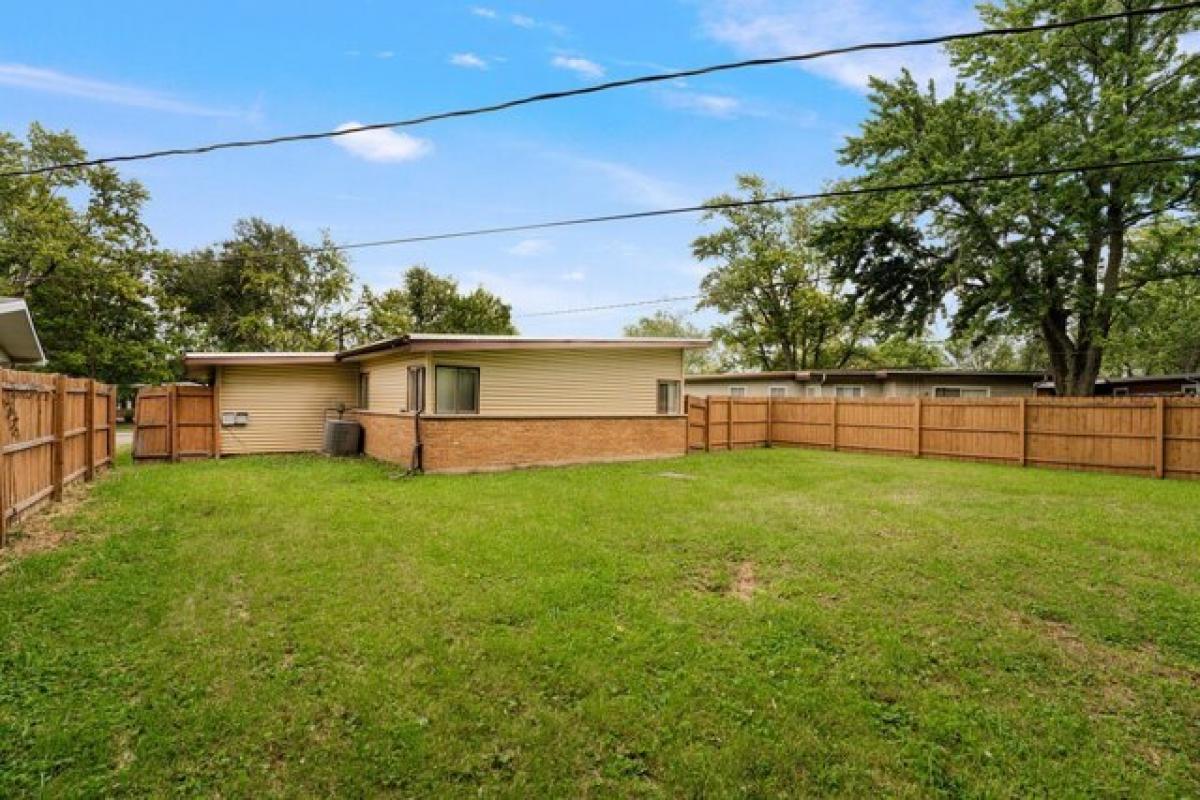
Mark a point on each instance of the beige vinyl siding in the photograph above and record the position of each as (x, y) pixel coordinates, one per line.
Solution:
(286, 405)
(567, 382)
(389, 381)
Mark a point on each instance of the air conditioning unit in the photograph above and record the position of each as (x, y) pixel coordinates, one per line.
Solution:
(343, 437)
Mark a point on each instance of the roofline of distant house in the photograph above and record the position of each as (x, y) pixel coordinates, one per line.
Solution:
(879, 374)
(1120, 381)
(422, 342)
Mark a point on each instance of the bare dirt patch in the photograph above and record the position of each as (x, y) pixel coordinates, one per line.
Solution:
(744, 583)
(43, 530)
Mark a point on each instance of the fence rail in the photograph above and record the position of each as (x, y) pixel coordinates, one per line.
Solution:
(1156, 437)
(56, 430)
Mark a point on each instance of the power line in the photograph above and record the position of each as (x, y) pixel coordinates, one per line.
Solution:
(632, 304)
(617, 84)
(734, 204)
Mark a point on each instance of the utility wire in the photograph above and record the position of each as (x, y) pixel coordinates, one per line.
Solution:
(617, 84)
(765, 201)
(633, 304)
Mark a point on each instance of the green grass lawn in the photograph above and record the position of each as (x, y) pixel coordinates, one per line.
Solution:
(775, 623)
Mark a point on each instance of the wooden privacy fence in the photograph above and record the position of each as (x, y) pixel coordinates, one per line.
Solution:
(1158, 437)
(175, 422)
(56, 430)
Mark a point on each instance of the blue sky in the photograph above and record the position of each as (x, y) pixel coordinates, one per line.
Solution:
(145, 75)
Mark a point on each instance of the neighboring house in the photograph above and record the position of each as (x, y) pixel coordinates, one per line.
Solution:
(19, 343)
(851, 383)
(452, 403)
(1187, 385)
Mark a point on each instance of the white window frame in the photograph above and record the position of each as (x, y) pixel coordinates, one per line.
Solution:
(812, 390)
(858, 391)
(674, 408)
(782, 391)
(737, 391)
(1120, 391)
(987, 391)
(1190, 389)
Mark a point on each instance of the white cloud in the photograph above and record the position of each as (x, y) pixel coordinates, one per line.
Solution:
(709, 105)
(522, 21)
(383, 145)
(575, 276)
(775, 27)
(629, 183)
(528, 293)
(385, 54)
(580, 66)
(36, 79)
(528, 248)
(468, 61)
(486, 13)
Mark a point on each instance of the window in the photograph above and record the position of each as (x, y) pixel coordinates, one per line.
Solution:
(364, 390)
(668, 397)
(737, 391)
(812, 390)
(1121, 391)
(457, 390)
(415, 399)
(1191, 390)
(778, 391)
(848, 391)
(962, 391)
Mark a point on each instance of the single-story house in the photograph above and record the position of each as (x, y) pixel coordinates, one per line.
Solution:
(458, 403)
(1184, 385)
(852, 383)
(19, 343)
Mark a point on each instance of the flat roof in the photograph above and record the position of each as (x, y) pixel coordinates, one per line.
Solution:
(878, 374)
(217, 359)
(1186, 377)
(421, 342)
(18, 336)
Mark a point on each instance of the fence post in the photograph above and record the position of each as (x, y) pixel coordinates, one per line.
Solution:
(59, 446)
(729, 425)
(707, 424)
(1023, 430)
(4, 500)
(917, 426)
(1160, 433)
(770, 419)
(172, 423)
(89, 422)
(833, 414)
(112, 426)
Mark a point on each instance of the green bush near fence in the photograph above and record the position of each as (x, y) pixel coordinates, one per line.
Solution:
(761, 623)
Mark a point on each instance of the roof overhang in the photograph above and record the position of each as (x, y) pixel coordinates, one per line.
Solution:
(256, 359)
(18, 336)
(426, 342)
(865, 374)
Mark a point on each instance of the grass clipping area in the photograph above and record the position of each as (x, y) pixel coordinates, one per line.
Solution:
(762, 623)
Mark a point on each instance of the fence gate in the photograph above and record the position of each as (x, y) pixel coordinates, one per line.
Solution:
(175, 422)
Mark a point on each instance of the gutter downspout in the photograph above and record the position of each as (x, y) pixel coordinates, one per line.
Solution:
(416, 466)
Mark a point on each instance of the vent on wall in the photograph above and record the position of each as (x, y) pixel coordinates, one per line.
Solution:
(232, 419)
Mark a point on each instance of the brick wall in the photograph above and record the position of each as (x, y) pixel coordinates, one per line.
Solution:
(468, 444)
(387, 437)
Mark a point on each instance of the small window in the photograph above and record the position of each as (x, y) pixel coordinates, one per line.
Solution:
(668, 397)
(848, 391)
(737, 391)
(364, 390)
(778, 391)
(812, 390)
(457, 390)
(975, 392)
(1191, 390)
(1121, 391)
(415, 399)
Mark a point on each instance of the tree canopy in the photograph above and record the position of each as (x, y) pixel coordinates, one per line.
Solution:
(429, 303)
(666, 324)
(1060, 256)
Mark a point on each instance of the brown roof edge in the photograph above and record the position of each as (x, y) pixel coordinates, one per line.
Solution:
(262, 359)
(866, 373)
(419, 342)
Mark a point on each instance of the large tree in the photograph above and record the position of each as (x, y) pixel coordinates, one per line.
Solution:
(1057, 256)
(263, 289)
(786, 310)
(74, 246)
(429, 303)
